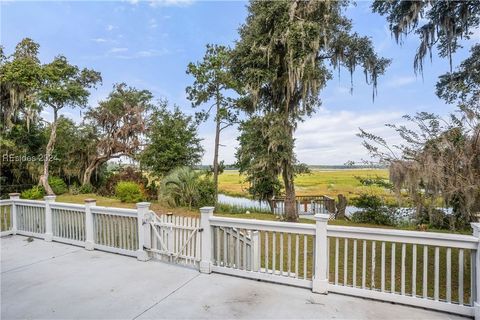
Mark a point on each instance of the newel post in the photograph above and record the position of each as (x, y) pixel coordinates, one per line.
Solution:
(13, 213)
(89, 232)
(320, 277)
(206, 249)
(476, 303)
(143, 230)
(48, 217)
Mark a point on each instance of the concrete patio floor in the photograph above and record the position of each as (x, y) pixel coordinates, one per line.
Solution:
(50, 280)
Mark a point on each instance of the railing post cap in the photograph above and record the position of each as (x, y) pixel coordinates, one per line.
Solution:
(143, 205)
(14, 195)
(321, 217)
(49, 197)
(90, 200)
(476, 228)
(207, 209)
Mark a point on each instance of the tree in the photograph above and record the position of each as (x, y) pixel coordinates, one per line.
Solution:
(260, 167)
(117, 126)
(172, 141)
(439, 159)
(437, 23)
(62, 85)
(283, 59)
(20, 77)
(212, 80)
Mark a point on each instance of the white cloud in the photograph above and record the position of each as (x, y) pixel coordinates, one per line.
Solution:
(170, 3)
(330, 137)
(110, 27)
(99, 40)
(152, 23)
(326, 138)
(400, 81)
(114, 50)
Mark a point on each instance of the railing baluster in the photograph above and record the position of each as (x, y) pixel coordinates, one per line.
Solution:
(382, 268)
(425, 272)
(373, 263)
(414, 270)
(244, 264)
(364, 263)
(274, 251)
(460, 277)
(337, 240)
(449, 275)
(289, 254)
(237, 249)
(297, 238)
(266, 251)
(402, 283)
(345, 262)
(305, 257)
(281, 253)
(392, 274)
(225, 248)
(437, 274)
(354, 268)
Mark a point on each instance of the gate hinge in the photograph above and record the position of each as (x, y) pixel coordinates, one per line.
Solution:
(200, 229)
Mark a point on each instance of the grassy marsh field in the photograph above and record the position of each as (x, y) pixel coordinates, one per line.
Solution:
(319, 182)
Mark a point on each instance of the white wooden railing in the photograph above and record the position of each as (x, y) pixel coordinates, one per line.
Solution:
(109, 229)
(433, 270)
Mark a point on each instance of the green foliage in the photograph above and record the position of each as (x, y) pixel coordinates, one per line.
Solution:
(34, 193)
(127, 174)
(375, 181)
(74, 189)
(87, 188)
(172, 142)
(58, 185)
(185, 187)
(128, 191)
(437, 23)
(284, 58)
(255, 160)
(367, 201)
(381, 216)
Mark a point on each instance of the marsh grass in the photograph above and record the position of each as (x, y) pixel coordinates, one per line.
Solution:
(319, 182)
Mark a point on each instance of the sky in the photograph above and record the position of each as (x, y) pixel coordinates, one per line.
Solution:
(148, 45)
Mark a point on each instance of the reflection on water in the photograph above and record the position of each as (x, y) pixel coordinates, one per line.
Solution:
(243, 202)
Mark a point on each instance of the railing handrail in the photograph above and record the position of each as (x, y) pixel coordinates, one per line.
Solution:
(266, 225)
(38, 203)
(68, 206)
(404, 236)
(114, 211)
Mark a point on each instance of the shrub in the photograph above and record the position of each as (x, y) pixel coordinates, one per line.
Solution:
(367, 201)
(58, 185)
(86, 188)
(185, 187)
(128, 191)
(74, 189)
(381, 216)
(35, 193)
(127, 174)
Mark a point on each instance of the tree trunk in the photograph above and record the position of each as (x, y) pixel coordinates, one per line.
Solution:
(87, 175)
(290, 205)
(215, 156)
(341, 206)
(43, 181)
